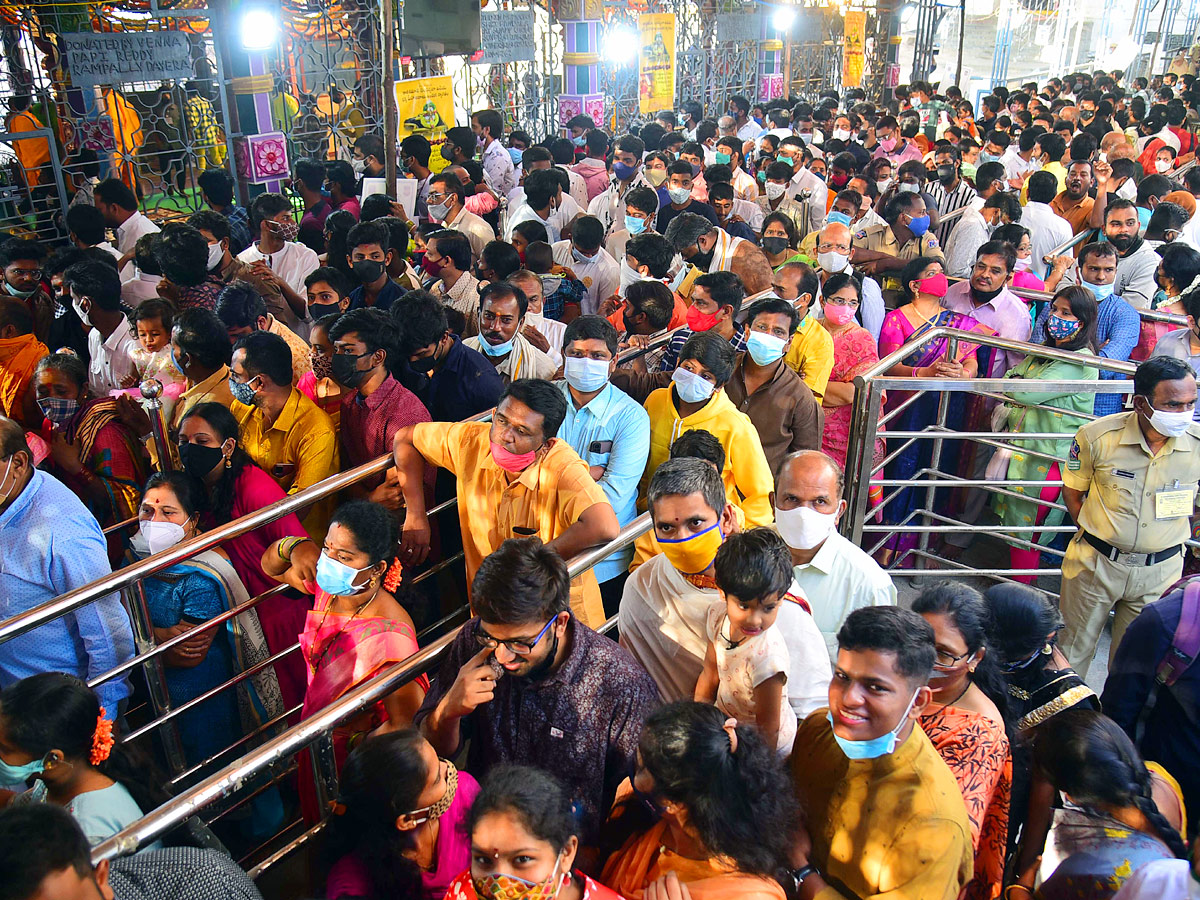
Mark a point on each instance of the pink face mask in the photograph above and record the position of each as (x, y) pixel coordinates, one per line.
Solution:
(512, 462)
(838, 315)
(934, 285)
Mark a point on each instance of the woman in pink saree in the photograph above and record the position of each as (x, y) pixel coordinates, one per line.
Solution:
(925, 286)
(356, 628)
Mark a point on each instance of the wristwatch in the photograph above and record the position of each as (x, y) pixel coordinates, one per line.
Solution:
(798, 875)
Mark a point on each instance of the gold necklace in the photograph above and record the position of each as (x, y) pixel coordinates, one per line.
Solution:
(315, 660)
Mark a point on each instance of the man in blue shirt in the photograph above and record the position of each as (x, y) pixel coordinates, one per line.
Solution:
(51, 544)
(608, 429)
(1118, 325)
(458, 381)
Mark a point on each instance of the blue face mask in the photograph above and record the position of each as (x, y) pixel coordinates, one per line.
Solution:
(695, 170)
(515, 154)
(175, 362)
(585, 375)
(336, 578)
(20, 774)
(579, 256)
(20, 295)
(690, 387)
(765, 348)
(635, 224)
(579, 141)
(494, 350)
(919, 225)
(883, 745)
(624, 172)
(837, 218)
(1102, 291)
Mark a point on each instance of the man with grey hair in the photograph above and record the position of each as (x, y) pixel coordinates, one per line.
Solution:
(831, 572)
(664, 609)
(710, 249)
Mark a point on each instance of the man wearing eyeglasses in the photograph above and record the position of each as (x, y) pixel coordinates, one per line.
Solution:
(530, 684)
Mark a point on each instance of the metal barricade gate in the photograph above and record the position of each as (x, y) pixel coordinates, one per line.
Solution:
(861, 523)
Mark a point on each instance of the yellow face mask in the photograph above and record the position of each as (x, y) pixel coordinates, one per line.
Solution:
(692, 555)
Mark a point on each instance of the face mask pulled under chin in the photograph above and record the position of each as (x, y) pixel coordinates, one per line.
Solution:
(884, 745)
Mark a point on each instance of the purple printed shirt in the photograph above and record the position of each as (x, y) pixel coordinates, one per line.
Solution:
(1006, 314)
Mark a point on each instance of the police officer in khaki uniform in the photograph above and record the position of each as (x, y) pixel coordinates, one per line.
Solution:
(1130, 485)
(883, 250)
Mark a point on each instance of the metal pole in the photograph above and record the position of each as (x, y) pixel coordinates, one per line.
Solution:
(155, 673)
(388, 15)
(962, 33)
(936, 456)
(151, 390)
(1158, 40)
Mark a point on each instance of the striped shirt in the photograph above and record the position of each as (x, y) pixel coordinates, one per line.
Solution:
(948, 202)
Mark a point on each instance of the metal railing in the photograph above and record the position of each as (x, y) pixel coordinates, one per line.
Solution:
(261, 759)
(149, 653)
(928, 517)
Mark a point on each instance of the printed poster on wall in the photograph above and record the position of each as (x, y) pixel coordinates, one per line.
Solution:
(656, 65)
(425, 106)
(855, 38)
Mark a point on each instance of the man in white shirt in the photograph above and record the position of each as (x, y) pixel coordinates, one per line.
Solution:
(565, 207)
(836, 576)
(805, 187)
(975, 227)
(278, 258)
(497, 163)
(118, 205)
(1018, 159)
(542, 194)
(608, 206)
(95, 290)
(1047, 229)
(729, 152)
(446, 200)
(745, 127)
(591, 263)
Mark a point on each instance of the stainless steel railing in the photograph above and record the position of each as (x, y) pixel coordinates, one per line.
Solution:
(234, 776)
(924, 519)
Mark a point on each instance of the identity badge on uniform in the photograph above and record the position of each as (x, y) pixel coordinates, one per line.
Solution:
(1073, 456)
(1174, 502)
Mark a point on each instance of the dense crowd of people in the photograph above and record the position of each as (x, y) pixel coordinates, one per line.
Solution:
(561, 335)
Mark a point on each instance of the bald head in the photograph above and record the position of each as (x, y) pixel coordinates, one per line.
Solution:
(834, 236)
(809, 468)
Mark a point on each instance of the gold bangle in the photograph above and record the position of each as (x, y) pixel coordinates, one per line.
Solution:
(1011, 887)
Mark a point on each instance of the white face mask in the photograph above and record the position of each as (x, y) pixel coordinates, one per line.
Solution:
(1172, 424)
(1024, 264)
(75, 305)
(359, 166)
(841, 134)
(629, 275)
(535, 320)
(833, 262)
(1161, 166)
(1128, 190)
(159, 536)
(216, 253)
(803, 528)
(775, 191)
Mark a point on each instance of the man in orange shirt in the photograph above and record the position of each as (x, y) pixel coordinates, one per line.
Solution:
(1074, 204)
(515, 479)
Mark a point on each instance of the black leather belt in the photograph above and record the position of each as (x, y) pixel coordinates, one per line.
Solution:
(1130, 559)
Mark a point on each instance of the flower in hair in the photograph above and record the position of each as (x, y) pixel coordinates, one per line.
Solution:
(102, 740)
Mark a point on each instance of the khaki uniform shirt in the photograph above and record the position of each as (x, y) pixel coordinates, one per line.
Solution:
(1110, 460)
(882, 239)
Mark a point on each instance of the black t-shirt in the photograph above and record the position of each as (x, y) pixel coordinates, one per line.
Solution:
(668, 212)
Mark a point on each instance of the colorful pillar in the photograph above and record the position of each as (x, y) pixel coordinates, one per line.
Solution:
(770, 70)
(581, 59)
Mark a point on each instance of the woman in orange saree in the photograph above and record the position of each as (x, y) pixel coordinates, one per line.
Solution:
(702, 782)
(967, 724)
(356, 628)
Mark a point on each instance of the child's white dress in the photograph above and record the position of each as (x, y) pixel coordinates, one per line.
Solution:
(742, 668)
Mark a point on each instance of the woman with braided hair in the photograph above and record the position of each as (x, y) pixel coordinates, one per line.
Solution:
(1109, 824)
(54, 731)
(356, 628)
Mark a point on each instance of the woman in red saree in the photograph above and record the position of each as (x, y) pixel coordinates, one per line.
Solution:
(356, 628)
(967, 723)
(95, 454)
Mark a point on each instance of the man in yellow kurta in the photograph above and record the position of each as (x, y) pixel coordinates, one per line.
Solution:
(515, 479)
(285, 434)
(696, 400)
(884, 814)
